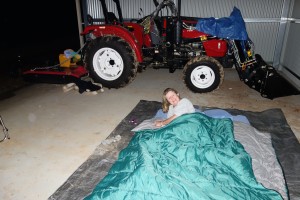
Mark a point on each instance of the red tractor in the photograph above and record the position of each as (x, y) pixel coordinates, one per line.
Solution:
(116, 50)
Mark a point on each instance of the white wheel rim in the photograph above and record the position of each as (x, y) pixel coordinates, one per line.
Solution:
(203, 76)
(108, 64)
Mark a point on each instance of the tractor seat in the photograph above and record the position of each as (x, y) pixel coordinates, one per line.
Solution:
(111, 18)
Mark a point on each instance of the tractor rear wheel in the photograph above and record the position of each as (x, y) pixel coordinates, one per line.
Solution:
(203, 74)
(111, 61)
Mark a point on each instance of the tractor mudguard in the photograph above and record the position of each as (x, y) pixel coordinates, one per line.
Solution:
(99, 31)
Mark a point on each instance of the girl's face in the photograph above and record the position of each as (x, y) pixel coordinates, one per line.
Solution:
(172, 98)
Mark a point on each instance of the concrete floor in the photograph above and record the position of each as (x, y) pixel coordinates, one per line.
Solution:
(53, 132)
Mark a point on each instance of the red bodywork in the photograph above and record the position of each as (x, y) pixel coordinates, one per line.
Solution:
(213, 47)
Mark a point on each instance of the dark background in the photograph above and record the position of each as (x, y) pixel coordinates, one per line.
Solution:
(34, 33)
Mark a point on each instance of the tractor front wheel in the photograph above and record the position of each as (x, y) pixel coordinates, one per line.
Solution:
(111, 62)
(203, 74)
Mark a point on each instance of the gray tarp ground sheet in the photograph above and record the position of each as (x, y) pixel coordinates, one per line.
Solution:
(85, 178)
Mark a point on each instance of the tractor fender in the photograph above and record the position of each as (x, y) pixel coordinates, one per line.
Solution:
(100, 31)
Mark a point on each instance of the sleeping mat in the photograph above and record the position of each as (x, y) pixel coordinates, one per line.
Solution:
(193, 157)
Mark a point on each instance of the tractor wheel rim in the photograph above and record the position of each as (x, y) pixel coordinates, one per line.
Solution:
(108, 63)
(202, 77)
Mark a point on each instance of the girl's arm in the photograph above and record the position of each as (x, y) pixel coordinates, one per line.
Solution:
(161, 123)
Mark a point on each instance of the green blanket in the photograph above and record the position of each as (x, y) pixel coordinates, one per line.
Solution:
(194, 157)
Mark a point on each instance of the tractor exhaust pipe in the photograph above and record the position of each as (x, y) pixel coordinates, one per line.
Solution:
(178, 8)
(178, 32)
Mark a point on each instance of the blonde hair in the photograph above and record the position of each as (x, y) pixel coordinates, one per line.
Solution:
(165, 102)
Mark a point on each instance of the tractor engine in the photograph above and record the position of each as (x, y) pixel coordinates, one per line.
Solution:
(193, 49)
(173, 42)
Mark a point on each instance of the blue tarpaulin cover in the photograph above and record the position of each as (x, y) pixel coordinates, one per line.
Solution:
(232, 27)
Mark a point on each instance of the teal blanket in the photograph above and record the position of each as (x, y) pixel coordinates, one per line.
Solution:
(194, 157)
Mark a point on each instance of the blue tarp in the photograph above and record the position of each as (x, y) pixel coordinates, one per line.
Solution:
(232, 27)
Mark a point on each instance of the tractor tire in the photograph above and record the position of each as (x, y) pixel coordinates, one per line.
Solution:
(203, 74)
(111, 61)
